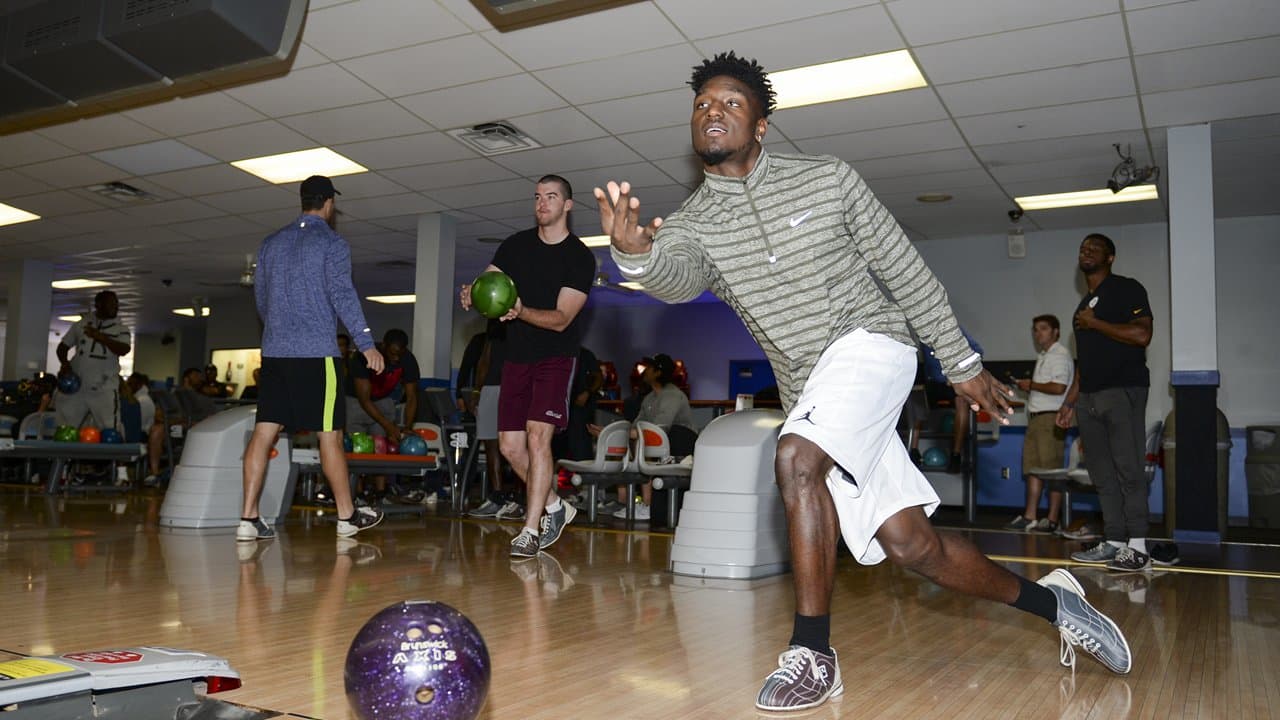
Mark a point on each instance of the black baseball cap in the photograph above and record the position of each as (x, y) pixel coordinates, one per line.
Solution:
(665, 366)
(318, 186)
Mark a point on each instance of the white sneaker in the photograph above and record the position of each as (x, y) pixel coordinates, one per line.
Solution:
(642, 512)
(510, 511)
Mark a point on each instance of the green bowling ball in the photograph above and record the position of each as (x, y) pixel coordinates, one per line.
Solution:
(66, 433)
(493, 294)
(361, 443)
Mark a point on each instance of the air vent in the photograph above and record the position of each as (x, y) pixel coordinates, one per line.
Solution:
(121, 192)
(495, 138)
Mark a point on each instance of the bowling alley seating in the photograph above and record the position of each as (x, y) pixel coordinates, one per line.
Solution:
(654, 460)
(609, 467)
(35, 426)
(1074, 477)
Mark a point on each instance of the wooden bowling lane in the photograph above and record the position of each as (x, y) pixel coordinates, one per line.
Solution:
(597, 629)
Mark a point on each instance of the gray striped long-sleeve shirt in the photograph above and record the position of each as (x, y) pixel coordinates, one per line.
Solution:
(804, 253)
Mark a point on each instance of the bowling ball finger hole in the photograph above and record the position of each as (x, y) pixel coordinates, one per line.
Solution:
(414, 633)
(425, 695)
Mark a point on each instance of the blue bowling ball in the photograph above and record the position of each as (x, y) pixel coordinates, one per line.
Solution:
(112, 436)
(935, 457)
(413, 445)
(69, 383)
(346, 442)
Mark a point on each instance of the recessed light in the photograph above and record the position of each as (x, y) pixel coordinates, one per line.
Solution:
(392, 299)
(1133, 193)
(191, 312)
(298, 166)
(933, 198)
(10, 215)
(70, 318)
(78, 284)
(596, 241)
(845, 79)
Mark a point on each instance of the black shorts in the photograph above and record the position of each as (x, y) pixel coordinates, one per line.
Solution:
(301, 394)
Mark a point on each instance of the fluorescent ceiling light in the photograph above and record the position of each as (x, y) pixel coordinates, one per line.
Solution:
(631, 285)
(298, 166)
(595, 241)
(844, 79)
(392, 299)
(78, 284)
(190, 312)
(10, 215)
(1133, 193)
(69, 318)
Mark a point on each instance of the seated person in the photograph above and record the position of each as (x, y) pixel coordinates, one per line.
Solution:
(250, 392)
(666, 406)
(210, 385)
(371, 398)
(195, 404)
(153, 428)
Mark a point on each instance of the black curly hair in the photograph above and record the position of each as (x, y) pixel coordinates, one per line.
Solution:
(748, 72)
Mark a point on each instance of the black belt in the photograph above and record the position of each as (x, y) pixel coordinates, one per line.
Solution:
(1042, 412)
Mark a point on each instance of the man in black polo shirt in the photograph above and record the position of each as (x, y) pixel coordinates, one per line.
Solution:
(1113, 329)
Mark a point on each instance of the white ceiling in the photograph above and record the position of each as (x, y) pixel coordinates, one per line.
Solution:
(1024, 97)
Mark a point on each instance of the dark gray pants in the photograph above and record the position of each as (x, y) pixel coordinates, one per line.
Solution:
(1113, 429)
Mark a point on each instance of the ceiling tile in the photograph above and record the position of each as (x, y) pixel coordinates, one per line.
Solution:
(174, 211)
(450, 174)
(1258, 127)
(305, 90)
(182, 116)
(1101, 216)
(206, 180)
(363, 185)
(390, 205)
(705, 18)
(672, 107)
(382, 24)
(1173, 27)
(484, 101)
(499, 191)
(1247, 60)
(401, 72)
(58, 202)
(641, 176)
(588, 37)
(258, 199)
(853, 33)
(600, 152)
(885, 142)
(217, 227)
(245, 141)
(78, 171)
(915, 185)
(100, 220)
(155, 157)
(557, 127)
(865, 113)
(1092, 117)
(1097, 165)
(643, 72)
(29, 147)
(917, 164)
(1059, 86)
(1033, 151)
(1217, 102)
(514, 212)
(467, 13)
(1071, 43)
(14, 184)
(924, 22)
(357, 122)
(667, 142)
(405, 151)
(99, 133)
(308, 56)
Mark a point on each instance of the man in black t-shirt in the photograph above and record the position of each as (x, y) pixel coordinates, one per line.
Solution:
(372, 397)
(553, 272)
(1113, 328)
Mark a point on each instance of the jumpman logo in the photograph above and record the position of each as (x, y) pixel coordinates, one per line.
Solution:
(806, 416)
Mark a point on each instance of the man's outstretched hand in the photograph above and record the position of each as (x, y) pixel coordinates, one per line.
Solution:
(984, 392)
(620, 218)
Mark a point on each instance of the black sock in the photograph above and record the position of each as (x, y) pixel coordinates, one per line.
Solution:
(1037, 600)
(245, 519)
(813, 632)
(347, 518)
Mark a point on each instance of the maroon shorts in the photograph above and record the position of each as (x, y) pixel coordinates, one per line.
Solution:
(535, 391)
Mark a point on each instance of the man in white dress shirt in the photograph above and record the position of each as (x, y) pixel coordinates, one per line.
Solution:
(1042, 448)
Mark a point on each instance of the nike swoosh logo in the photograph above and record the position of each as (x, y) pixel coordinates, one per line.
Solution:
(795, 221)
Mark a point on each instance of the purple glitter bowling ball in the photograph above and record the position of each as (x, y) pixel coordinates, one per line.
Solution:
(417, 660)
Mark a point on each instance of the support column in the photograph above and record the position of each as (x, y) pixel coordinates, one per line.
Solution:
(26, 345)
(1194, 331)
(433, 285)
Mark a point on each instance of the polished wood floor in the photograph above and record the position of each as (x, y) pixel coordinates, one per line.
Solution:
(598, 629)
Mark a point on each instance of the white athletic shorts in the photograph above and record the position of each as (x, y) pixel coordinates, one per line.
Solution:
(849, 407)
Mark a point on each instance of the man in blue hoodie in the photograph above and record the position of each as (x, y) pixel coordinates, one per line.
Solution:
(303, 286)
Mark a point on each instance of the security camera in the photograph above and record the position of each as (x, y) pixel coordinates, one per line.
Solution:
(1128, 173)
(1015, 214)
(166, 282)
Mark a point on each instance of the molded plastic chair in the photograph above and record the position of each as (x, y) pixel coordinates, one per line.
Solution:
(607, 468)
(655, 460)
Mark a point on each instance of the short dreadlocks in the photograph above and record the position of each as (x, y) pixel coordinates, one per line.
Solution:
(749, 72)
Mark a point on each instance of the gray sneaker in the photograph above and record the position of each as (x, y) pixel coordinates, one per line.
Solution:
(804, 679)
(255, 529)
(511, 510)
(553, 524)
(1082, 626)
(488, 509)
(1100, 554)
(524, 545)
(1129, 560)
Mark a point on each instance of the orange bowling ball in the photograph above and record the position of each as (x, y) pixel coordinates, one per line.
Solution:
(90, 435)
